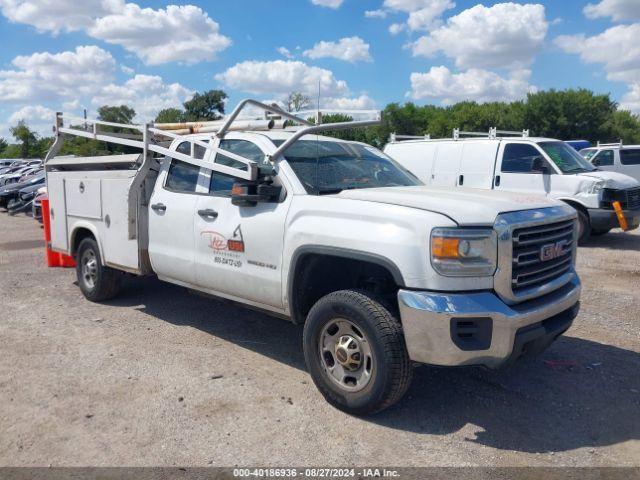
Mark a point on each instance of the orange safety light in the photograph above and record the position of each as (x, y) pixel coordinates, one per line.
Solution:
(443, 247)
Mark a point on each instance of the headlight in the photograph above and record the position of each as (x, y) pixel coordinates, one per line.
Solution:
(596, 187)
(464, 252)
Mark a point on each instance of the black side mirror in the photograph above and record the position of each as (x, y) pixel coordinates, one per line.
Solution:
(538, 165)
(249, 194)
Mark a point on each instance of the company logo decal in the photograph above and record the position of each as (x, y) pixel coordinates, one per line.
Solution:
(226, 251)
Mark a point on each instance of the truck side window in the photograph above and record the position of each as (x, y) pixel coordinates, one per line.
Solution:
(518, 158)
(198, 151)
(182, 177)
(603, 158)
(630, 156)
(221, 184)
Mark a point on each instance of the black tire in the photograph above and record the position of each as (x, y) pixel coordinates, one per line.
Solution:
(584, 227)
(104, 282)
(391, 370)
(597, 233)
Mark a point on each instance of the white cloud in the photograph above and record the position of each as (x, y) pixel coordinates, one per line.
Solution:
(281, 77)
(618, 10)
(178, 33)
(504, 35)
(146, 94)
(396, 28)
(328, 3)
(473, 84)
(362, 102)
(127, 70)
(631, 99)
(284, 51)
(616, 48)
(57, 15)
(429, 17)
(38, 118)
(46, 76)
(351, 49)
(375, 13)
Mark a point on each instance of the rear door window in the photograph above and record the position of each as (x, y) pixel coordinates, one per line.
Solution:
(630, 156)
(182, 177)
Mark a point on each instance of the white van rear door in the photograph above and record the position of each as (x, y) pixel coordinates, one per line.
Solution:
(447, 164)
(417, 157)
(477, 164)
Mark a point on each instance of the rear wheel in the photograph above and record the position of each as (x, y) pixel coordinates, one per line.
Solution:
(355, 351)
(97, 282)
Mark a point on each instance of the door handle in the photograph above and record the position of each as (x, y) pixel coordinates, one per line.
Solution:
(208, 213)
(159, 207)
(497, 182)
(461, 180)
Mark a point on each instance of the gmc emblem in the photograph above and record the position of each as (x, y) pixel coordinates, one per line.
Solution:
(553, 250)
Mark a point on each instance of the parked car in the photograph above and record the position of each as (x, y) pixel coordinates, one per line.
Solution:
(22, 202)
(530, 166)
(328, 233)
(615, 157)
(11, 192)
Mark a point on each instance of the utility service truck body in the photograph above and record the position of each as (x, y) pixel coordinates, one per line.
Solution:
(382, 270)
(526, 165)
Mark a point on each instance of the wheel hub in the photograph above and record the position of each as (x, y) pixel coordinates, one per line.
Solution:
(347, 352)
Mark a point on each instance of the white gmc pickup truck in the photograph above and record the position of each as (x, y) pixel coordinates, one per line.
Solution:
(381, 270)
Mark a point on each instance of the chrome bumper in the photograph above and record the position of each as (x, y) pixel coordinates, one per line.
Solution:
(453, 329)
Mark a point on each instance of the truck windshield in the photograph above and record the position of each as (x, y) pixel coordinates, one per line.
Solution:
(566, 158)
(326, 167)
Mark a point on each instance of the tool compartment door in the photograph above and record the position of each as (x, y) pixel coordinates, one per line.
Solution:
(84, 197)
(58, 212)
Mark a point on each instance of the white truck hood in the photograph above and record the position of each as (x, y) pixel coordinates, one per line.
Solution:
(612, 179)
(465, 206)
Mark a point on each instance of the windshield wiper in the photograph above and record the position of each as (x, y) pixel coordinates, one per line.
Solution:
(329, 191)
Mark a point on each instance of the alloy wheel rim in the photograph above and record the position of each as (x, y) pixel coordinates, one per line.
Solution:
(89, 264)
(345, 355)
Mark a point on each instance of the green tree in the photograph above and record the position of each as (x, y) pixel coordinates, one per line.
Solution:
(206, 106)
(26, 137)
(170, 115)
(3, 145)
(116, 114)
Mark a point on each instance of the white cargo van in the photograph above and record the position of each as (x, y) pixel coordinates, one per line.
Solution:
(615, 157)
(536, 166)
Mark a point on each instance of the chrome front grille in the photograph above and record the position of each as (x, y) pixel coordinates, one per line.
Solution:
(633, 198)
(541, 254)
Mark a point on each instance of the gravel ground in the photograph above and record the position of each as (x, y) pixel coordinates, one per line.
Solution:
(162, 376)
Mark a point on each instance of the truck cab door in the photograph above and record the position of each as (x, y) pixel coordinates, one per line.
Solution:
(516, 170)
(171, 219)
(239, 248)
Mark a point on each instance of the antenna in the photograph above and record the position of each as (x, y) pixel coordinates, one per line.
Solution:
(318, 113)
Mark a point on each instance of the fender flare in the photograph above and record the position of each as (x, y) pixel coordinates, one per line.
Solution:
(300, 252)
(82, 225)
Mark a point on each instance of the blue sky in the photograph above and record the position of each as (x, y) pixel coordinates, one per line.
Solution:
(364, 53)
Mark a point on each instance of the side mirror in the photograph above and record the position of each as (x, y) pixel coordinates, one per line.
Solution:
(538, 165)
(249, 194)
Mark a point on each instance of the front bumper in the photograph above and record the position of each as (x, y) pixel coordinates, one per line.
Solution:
(455, 329)
(603, 219)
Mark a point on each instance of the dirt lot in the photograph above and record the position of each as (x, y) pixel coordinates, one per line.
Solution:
(161, 376)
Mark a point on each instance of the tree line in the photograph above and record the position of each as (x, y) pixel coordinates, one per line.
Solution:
(564, 114)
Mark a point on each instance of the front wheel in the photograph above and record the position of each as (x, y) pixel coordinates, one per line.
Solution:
(96, 281)
(584, 227)
(355, 351)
